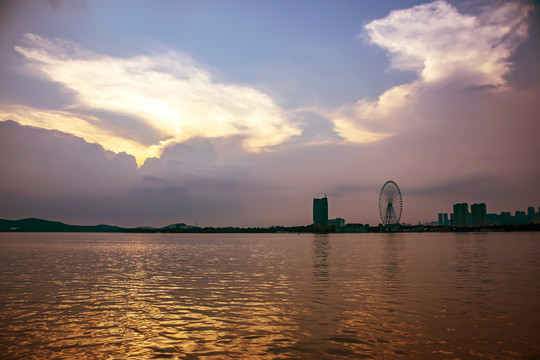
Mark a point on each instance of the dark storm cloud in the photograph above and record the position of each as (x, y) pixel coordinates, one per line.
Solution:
(53, 175)
(54, 162)
(195, 154)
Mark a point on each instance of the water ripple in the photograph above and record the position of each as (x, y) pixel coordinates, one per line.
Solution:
(357, 296)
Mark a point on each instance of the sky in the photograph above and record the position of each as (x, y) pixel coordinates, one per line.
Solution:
(239, 113)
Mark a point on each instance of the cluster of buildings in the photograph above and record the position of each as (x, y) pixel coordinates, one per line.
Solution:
(478, 216)
(461, 216)
(320, 214)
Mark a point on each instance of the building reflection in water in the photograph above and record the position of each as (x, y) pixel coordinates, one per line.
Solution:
(321, 264)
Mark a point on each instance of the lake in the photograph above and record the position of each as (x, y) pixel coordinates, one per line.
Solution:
(270, 296)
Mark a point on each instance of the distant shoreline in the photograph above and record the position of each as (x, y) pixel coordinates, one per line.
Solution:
(40, 225)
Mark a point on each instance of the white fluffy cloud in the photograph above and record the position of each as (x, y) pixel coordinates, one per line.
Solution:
(167, 92)
(437, 41)
(442, 46)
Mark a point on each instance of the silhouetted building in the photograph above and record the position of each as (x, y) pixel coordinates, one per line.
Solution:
(520, 217)
(533, 216)
(493, 219)
(337, 222)
(478, 214)
(443, 219)
(461, 215)
(506, 218)
(320, 211)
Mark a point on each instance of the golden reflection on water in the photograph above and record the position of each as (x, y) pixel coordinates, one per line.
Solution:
(100, 296)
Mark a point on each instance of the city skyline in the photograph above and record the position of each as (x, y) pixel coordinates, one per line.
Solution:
(461, 217)
(142, 113)
(479, 216)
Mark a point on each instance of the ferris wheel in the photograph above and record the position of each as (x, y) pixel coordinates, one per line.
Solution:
(390, 204)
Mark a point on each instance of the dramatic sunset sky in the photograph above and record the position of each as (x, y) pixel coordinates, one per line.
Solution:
(241, 112)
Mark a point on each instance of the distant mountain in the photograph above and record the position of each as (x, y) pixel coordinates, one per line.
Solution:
(40, 225)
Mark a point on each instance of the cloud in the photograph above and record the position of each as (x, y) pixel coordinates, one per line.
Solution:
(54, 175)
(90, 128)
(437, 41)
(48, 163)
(80, 5)
(168, 92)
(446, 49)
(457, 133)
(194, 155)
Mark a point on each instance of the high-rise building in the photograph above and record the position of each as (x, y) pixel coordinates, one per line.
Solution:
(478, 213)
(320, 211)
(461, 215)
(441, 221)
(445, 219)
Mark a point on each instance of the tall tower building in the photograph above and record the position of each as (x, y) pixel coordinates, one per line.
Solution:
(478, 213)
(320, 211)
(461, 215)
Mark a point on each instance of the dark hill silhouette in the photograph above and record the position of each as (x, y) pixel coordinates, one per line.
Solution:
(40, 225)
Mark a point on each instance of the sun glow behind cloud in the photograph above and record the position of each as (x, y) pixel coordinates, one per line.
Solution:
(168, 98)
(86, 127)
(168, 92)
(442, 46)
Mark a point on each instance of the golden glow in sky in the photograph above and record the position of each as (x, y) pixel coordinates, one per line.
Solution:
(168, 93)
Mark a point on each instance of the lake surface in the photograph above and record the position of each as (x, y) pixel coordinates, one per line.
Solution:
(270, 296)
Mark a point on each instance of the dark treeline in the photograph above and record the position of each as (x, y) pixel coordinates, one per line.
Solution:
(228, 229)
(40, 225)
